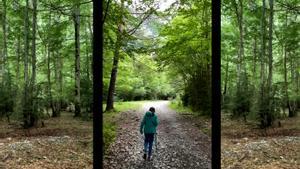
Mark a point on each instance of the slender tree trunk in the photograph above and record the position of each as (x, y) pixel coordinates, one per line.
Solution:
(262, 113)
(4, 54)
(26, 106)
(33, 117)
(49, 86)
(87, 63)
(225, 80)
(270, 52)
(114, 70)
(60, 82)
(55, 106)
(18, 57)
(286, 82)
(254, 60)
(77, 61)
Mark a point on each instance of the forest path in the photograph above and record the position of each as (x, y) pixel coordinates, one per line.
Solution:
(180, 143)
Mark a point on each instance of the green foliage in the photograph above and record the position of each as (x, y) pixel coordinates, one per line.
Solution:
(185, 49)
(54, 38)
(250, 95)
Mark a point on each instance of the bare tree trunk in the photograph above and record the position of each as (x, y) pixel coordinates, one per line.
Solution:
(270, 52)
(4, 54)
(285, 82)
(114, 70)
(262, 113)
(226, 80)
(77, 61)
(49, 86)
(33, 117)
(60, 82)
(254, 59)
(26, 106)
(87, 63)
(18, 57)
(55, 101)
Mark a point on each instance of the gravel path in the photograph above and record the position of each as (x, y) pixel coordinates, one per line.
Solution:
(180, 143)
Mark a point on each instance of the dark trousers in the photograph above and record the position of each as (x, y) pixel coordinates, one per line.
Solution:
(148, 142)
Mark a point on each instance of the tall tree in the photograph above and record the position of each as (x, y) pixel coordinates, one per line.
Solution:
(114, 70)
(26, 104)
(76, 18)
(4, 50)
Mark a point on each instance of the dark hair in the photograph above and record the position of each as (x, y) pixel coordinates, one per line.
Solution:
(152, 109)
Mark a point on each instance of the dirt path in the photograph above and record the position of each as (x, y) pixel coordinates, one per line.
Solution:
(180, 143)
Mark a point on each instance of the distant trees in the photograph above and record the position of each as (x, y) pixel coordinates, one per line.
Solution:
(262, 92)
(186, 50)
(121, 25)
(37, 59)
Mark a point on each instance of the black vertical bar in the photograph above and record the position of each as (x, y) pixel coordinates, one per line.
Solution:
(97, 83)
(216, 88)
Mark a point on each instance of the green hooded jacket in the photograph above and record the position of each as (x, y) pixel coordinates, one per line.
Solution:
(149, 123)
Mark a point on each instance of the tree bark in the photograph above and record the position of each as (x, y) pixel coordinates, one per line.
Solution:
(34, 116)
(77, 60)
(226, 80)
(26, 106)
(18, 57)
(270, 52)
(4, 54)
(254, 60)
(286, 82)
(114, 70)
(262, 112)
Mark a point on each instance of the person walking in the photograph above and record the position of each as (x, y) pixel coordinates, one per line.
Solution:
(148, 127)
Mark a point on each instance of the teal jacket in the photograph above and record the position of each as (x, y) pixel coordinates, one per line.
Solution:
(149, 123)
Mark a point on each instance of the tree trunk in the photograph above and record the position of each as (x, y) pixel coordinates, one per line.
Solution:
(18, 57)
(77, 60)
(34, 116)
(26, 106)
(49, 86)
(4, 54)
(114, 70)
(262, 113)
(254, 60)
(87, 63)
(55, 102)
(225, 80)
(286, 82)
(60, 82)
(270, 52)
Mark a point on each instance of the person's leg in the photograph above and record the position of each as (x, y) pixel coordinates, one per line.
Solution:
(151, 139)
(146, 144)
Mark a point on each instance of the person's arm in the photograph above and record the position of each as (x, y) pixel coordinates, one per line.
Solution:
(142, 125)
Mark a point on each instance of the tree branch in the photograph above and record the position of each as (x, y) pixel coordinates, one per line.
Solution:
(132, 31)
(106, 11)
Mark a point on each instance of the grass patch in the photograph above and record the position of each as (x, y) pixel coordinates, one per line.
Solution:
(110, 120)
(109, 129)
(179, 108)
(125, 106)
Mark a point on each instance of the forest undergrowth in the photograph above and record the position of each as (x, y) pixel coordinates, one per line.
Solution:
(244, 145)
(64, 142)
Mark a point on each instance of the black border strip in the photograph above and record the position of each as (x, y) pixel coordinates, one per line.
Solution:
(216, 88)
(97, 84)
